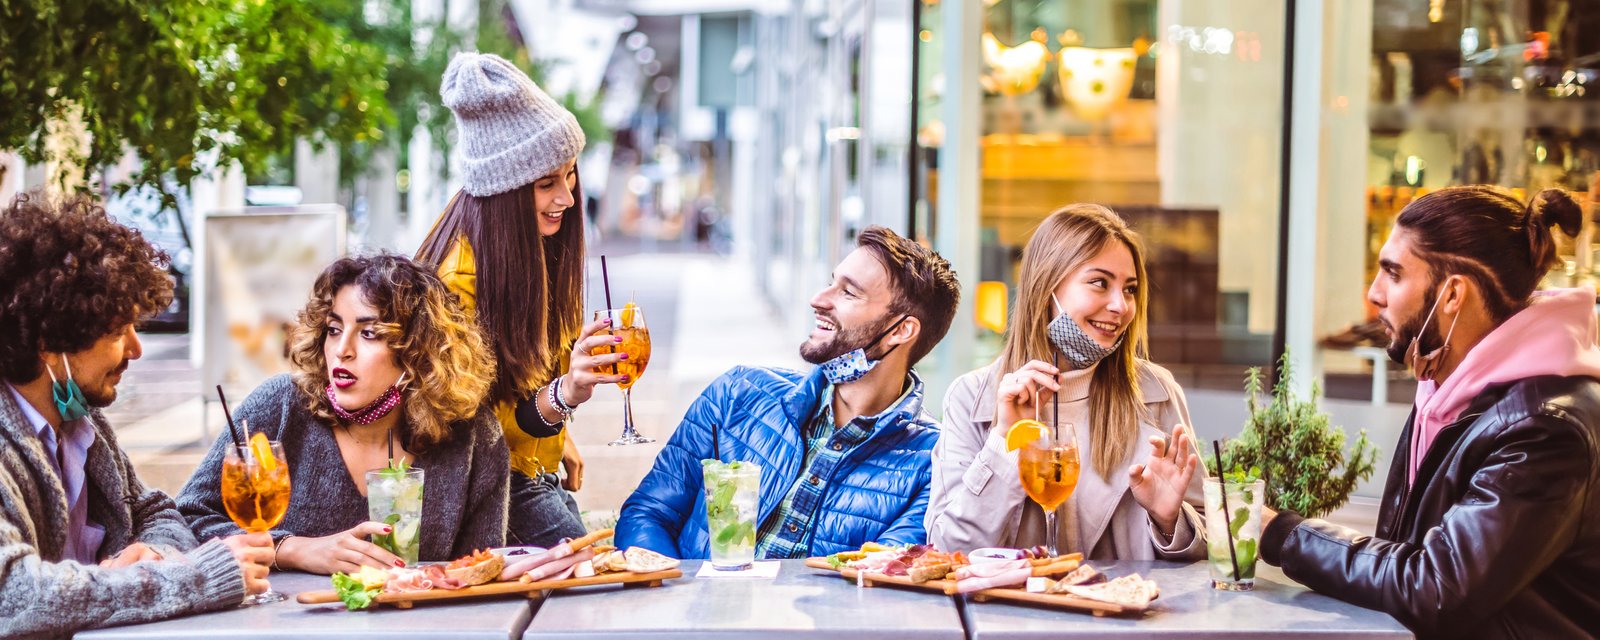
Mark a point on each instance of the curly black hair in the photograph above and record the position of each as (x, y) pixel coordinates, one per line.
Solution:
(71, 276)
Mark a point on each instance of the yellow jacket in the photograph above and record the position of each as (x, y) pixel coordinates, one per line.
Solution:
(529, 455)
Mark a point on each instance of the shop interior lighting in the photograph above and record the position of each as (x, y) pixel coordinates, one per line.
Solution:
(1013, 70)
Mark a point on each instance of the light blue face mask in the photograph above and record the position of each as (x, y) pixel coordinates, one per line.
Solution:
(851, 366)
(70, 402)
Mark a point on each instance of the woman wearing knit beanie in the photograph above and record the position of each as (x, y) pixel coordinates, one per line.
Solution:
(510, 243)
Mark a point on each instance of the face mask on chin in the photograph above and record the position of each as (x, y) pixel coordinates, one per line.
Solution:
(1080, 350)
(1424, 366)
(853, 365)
(69, 399)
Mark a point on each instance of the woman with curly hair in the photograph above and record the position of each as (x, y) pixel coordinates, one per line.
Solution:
(383, 356)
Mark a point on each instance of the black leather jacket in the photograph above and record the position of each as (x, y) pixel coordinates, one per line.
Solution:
(1499, 537)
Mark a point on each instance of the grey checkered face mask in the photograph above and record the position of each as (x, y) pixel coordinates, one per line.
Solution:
(1080, 349)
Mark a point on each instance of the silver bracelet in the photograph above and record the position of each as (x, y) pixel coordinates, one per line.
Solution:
(560, 406)
(277, 546)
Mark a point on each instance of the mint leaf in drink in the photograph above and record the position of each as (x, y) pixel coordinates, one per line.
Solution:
(1240, 516)
(396, 470)
(386, 541)
(1246, 551)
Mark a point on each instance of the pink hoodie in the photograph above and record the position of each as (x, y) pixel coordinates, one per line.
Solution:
(1555, 335)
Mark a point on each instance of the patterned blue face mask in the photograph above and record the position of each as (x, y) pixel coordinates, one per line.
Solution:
(851, 366)
(69, 398)
(1080, 349)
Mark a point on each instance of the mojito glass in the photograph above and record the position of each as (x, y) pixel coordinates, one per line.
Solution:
(394, 497)
(1239, 521)
(732, 490)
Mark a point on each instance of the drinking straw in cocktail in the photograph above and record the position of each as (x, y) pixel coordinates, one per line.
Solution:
(716, 442)
(1055, 398)
(1227, 513)
(388, 436)
(605, 280)
(233, 429)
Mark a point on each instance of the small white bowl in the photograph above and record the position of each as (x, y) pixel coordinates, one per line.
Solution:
(992, 554)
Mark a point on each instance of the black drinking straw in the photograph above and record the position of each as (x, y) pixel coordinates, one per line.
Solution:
(233, 429)
(605, 278)
(1227, 513)
(1055, 398)
(388, 436)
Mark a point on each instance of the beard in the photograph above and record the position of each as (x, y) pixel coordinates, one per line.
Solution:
(1412, 330)
(103, 395)
(844, 341)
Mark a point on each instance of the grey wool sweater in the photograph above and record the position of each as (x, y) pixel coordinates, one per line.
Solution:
(464, 490)
(43, 596)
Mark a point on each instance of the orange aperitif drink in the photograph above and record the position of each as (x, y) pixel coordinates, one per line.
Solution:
(1049, 475)
(628, 324)
(255, 491)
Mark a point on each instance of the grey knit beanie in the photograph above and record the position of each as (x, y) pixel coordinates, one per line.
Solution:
(510, 131)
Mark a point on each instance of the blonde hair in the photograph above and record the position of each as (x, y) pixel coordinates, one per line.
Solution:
(441, 350)
(1063, 242)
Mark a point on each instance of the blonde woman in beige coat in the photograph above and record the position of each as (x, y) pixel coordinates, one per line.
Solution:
(1081, 298)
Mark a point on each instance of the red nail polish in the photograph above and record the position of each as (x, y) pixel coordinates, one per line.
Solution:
(624, 356)
(388, 529)
(400, 563)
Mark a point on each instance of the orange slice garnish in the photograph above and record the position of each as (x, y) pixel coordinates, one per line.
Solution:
(628, 313)
(262, 450)
(1023, 433)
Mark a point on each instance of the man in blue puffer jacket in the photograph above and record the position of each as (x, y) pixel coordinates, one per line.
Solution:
(845, 450)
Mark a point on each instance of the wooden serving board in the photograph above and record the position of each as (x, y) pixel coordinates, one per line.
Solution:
(948, 587)
(530, 589)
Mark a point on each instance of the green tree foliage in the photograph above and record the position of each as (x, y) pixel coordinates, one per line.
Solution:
(185, 83)
(1302, 456)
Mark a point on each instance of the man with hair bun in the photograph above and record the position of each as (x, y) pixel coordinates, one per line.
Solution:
(1490, 520)
(83, 543)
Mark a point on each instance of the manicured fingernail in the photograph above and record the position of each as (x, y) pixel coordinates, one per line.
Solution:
(625, 378)
(399, 563)
(388, 529)
(607, 321)
(618, 339)
(624, 356)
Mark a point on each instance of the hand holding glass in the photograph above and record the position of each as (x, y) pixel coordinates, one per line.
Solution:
(255, 492)
(627, 323)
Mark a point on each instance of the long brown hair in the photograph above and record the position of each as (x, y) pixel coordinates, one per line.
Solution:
(434, 342)
(1068, 238)
(1488, 235)
(529, 288)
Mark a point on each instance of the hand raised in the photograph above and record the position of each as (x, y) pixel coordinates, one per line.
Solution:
(1159, 484)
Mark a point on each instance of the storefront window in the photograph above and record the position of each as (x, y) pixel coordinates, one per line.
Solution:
(1169, 112)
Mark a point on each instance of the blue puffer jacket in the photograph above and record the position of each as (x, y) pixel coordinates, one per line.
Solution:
(879, 492)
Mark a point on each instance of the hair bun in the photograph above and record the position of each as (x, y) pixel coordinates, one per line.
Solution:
(1556, 208)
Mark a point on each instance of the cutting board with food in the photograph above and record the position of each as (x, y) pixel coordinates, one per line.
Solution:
(577, 563)
(1015, 575)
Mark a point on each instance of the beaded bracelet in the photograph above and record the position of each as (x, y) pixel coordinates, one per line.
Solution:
(560, 405)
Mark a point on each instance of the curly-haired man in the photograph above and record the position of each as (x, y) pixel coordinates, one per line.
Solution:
(82, 542)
